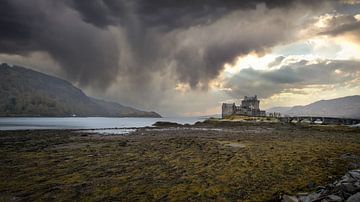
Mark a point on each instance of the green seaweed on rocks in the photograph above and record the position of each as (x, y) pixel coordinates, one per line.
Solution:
(175, 165)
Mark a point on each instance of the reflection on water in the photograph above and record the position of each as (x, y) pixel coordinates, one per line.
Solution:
(125, 131)
(26, 123)
(185, 128)
(356, 126)
(120, 131)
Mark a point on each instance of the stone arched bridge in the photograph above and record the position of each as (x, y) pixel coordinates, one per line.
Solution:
(320, 119)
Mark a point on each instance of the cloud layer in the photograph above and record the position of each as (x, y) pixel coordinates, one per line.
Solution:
(296, 75)
(87, 38)
(138, 51)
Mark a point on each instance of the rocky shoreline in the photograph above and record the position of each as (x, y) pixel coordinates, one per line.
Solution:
(207, 161)
(346, 189)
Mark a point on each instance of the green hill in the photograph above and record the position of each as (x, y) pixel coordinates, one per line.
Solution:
(25, 92)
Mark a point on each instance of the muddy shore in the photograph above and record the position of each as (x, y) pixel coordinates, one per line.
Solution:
(206, 161)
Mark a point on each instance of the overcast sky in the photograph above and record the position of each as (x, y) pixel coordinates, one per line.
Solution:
(187, 57)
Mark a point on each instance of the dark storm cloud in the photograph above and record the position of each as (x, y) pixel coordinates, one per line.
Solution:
(164, 13)
(344, 28)
(96, 42)
(15, 35)
(295, 75)
(85, 53)
(342, 24)
(148, 25)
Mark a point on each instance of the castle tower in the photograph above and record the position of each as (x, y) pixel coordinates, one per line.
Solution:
(251, 102)
(228, 109)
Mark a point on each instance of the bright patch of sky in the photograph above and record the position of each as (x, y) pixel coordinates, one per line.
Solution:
(320, 47)
(313, 49)
(250, 61)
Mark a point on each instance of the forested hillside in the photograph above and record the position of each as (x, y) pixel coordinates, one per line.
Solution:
(24, 92)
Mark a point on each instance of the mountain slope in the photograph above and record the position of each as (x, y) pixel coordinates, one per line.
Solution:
(348, 107)
(281, 110)
(25, 92)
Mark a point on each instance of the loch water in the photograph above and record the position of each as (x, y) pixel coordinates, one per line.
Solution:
(28, 123)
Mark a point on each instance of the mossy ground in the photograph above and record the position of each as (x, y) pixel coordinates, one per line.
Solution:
(175, 165)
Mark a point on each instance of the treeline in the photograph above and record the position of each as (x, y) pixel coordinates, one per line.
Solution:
(24, 92)
(18, 101)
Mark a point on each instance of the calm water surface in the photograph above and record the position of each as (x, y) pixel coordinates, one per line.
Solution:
(25, 123)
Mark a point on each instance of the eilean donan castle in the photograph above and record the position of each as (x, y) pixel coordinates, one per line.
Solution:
(249, 107)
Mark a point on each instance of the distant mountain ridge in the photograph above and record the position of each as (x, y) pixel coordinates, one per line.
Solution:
(347, 107)
(25, 92)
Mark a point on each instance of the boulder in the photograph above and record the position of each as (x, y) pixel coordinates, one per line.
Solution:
(346, 189)
(287, 198)
(354, 198)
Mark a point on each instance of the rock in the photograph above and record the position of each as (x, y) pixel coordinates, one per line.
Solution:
(355, 174)
(351, 177)
(354, 198)
(348, 187)
(166, 124)
(350, 183)
(333, 198)
(320, 188)
(309, 198)
(287, 198)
